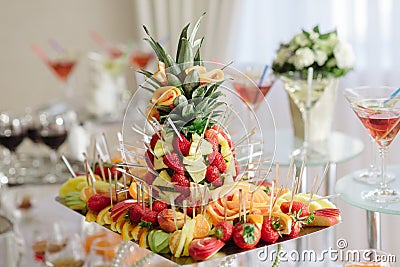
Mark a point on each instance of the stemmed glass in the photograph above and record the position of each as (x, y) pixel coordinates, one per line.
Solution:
(379, 111)
(53, 133)
(11, 136)
(305, 93)
(253, 83)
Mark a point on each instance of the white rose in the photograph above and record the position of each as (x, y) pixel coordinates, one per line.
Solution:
(301, 40)
(344, 55)
(303, 57)
(320, 57)
(282, 56)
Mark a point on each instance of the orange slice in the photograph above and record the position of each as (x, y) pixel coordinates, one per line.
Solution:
(202, 228)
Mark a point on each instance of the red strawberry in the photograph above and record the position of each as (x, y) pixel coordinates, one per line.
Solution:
(296, 207)
(268, 231)
(98, 202)
(226, 136)
(181, 145)
(149, 178)
(217, 160)
(223, 231)
(211, 136)
(150, 216)
(246, 236)
(154, 140)
(107, 166)
(212, 173)
(149, 159)
(159, 206)
(135, 213)
(296, 227)
(174, 162)
(181, 182)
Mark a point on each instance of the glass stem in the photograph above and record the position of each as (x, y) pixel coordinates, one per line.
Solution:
(306, 120)
(382, 153)
(53, 160)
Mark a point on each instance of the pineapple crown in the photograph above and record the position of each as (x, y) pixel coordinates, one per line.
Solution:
(185, 93)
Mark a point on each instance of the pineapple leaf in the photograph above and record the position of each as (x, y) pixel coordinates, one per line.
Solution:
(197, 57)
(191, 82)
(195, 29)
(156, 84)
(159, 54)
(185, 57)
(188, 111)
(198, 92)
(151, 90)
(183, 35)
(174, 80)
(180, 100)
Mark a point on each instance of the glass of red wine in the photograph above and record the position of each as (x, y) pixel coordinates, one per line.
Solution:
(53, 133)
(11, 136)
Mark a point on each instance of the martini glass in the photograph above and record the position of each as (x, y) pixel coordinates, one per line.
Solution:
(253, 82)
(379, 112)
(305, 93)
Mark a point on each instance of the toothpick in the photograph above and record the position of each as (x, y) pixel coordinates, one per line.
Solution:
(111, 190)
(277, 173)
(104, 139)
(240, 203)
(294, 185)
(150, 188)
(138, 191)
(143, 195)
(89, 170)
(324, 175)
(251, 201)
(121, 145)
(184, 211)
(225, 207)
(277, 195)
(174, 210)
(206, 198)
(69, 167)
(140, 132)
(116, 186)
(312, 190)
(175, 129)
(289, 171)
(130, 153)
(244, 206)
(86, 172)
(100, 152)
(103, 176)
(271, 199)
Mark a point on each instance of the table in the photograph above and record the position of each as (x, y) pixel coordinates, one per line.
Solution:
(350, 191)
(341, 148)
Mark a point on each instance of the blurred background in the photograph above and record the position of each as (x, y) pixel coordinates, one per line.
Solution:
(235, 30)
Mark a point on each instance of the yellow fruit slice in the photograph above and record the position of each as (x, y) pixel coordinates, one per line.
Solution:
(256, 219)
(126, 231)
(201, 228)
(284, 220)
(143, 243)
(91, 216)
(174, 241)
(135, 233)
(102, 214)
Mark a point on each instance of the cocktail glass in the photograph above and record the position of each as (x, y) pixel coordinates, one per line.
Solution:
(305, 93)
(379, 111)
(253, 82)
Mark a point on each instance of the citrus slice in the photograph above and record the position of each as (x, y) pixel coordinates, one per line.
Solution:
(284, 220)
(202, 228)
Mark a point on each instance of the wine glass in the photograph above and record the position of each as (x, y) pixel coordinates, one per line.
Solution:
(62, 250)
(53, 133)
(305, 93)
(11, 136)
(379, 111)
(252, 82)
(103, 251)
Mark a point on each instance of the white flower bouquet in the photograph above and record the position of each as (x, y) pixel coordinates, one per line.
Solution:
(329, 56)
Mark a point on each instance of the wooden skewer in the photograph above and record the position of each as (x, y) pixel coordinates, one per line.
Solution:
(244, 207)
(324, 175)
(277, 195)
(69, 167)
(122, 150)
(184, 211)
(225, 207)
(103, 175)
(143, 195)
(125, 186)
(116, 186)
(289, 171)
(240, 203)
(87, 173)
(140, 132)
(100, 152)
(111, 190)
(312, 190)
(105, 143)
(271, 199)
(171, 197)
(294, 185)
(150, 188)
(206, 199)
(174, 128)
(138, 189)
(89, 170)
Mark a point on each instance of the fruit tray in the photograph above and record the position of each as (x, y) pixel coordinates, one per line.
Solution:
(228, 250)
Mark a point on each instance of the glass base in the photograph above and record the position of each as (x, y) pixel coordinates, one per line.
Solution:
(381, 195)
(372, 177)
(310, 155)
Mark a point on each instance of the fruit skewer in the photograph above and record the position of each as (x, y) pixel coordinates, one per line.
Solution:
(68, 165)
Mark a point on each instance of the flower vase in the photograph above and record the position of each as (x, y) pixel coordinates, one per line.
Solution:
(107, 87)
(321, 113)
